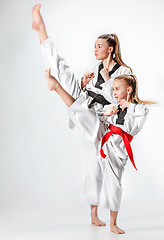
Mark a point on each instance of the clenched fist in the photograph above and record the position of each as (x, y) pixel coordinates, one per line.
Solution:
(111, 111)
(105, 74)
(88, 76)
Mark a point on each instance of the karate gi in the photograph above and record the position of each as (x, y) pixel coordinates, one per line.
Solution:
(102, 181)
(93, 125)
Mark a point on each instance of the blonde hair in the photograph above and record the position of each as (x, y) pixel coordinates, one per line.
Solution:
(131, 80)
(113, 41)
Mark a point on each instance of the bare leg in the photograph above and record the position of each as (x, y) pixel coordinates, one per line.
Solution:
(95, 220)
(54, 85)
(38, 23)
(113, 224)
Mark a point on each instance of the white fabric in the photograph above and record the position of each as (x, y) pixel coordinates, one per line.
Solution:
(108, 188)
(102, 180)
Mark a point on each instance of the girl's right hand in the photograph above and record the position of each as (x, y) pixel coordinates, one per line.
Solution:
(111, 111)
(88, 76)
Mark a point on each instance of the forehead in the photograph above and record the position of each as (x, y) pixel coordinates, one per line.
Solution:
(119, 83)
(101, 41)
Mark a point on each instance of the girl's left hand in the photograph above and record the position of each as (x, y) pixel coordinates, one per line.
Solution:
(105, 74)
(124, 104)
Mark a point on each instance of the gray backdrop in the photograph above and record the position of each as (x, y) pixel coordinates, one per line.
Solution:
(41, 159)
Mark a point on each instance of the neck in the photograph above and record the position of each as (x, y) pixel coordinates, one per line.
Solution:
(108, 62)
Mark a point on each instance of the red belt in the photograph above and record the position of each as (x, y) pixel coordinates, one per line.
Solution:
(127, 138)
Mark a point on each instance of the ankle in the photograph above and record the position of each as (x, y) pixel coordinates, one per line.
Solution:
(58, 87)
(113, 224)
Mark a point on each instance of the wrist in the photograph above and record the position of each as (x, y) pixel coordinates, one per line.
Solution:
(106, 78)
(128, 103)
(82, 83)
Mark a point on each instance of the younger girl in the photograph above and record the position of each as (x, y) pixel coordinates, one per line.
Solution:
(110, 129)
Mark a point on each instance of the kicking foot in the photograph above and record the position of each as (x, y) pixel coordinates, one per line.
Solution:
(96, 221)
(116, 229)
(52, 82)
(37, 18)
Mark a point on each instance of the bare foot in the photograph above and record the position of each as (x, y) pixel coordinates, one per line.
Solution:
(96, 221)
(52, 82)
(37, 18)
(116, 229)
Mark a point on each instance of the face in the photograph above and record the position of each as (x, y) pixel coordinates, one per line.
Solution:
(101, 49)
(121, 90)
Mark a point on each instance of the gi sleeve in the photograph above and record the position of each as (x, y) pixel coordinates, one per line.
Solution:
(107, 119)
(136, 115)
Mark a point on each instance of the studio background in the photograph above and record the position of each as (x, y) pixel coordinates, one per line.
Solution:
(41, 159)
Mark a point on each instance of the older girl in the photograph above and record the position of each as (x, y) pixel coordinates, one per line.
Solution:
(96, 87)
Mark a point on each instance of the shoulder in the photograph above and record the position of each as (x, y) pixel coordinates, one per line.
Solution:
(124, 70)
(120, 71)
(138, 108)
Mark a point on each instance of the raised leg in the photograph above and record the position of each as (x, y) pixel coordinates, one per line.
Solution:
(54, 85)
(38, 23)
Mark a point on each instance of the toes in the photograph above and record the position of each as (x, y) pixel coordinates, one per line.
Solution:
(38, 6)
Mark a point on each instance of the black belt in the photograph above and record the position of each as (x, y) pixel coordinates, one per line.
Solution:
(97, 98)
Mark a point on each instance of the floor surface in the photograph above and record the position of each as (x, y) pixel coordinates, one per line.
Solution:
(139, 220)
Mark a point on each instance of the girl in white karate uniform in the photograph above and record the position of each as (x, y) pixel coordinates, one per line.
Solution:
(110, 129)
(96, 86)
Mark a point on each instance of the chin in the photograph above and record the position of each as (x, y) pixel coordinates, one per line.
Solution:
(98, 58)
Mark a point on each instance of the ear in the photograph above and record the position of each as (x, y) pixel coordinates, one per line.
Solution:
(110, 49)
(129, 90)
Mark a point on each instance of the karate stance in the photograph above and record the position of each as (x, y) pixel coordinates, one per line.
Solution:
(96, 87)
(115, 129)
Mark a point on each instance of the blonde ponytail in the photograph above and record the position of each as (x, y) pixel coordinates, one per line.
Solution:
(131, 80)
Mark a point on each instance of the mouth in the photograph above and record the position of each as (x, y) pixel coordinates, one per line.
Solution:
(117, 98)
